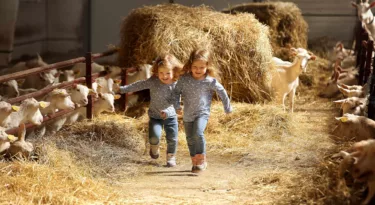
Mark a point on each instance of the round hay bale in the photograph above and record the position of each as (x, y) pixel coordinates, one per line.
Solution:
(239, 44)
(287, 26)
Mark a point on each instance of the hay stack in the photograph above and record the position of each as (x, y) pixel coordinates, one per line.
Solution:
(287, 26)
(239, 44)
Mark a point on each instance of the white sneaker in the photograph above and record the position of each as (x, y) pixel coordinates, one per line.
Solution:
(171, 160)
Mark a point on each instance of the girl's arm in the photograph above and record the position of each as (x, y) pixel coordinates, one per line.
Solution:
(216, 86)
(137, 86)
(175, 96)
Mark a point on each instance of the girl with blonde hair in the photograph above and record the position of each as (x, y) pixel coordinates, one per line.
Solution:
(165, 71)
(196, 87)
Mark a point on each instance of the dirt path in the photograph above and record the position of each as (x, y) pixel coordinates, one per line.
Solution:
(248, 179)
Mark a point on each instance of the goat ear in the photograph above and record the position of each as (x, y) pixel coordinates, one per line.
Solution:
(76, 72)
(339, 101)
(15, 108)
(12, 138)
(342, 119)
(44, 104)
(20, 81)
(343, 85)
(343, 90)
(354, 4)
(117, 97)
(91, 91)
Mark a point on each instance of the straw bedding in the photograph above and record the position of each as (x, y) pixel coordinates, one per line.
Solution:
(287, 26)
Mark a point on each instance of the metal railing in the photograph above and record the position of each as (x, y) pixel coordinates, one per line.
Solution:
(89, 77)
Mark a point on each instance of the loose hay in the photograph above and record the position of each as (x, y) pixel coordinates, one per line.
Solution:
(55, 179)
(287, 26)
(239, 44)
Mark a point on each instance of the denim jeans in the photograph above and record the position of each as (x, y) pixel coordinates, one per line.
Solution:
(194, 135)
(170, 126)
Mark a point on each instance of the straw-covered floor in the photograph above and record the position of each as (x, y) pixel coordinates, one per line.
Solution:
(287, 26)
(239, 44)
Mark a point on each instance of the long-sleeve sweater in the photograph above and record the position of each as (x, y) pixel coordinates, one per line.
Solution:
(160, 95)
(197, 96)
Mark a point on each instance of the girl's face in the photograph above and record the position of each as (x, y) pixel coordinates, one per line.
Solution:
(199, 69)
(165, 75)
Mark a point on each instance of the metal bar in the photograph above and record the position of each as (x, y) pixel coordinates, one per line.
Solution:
(50, 88)
(123, 98)
(89, 84)
(329, 15)
(58, 65)
(36, 70)
(362, 58)
(47, 118)
(367, 71)
(371, 103)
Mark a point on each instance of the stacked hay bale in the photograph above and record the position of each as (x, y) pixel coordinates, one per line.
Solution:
(287, 26)
(239, 44)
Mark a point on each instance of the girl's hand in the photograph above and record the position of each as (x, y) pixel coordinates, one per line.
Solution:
(179, 111)
(116, 89)
(163, 115)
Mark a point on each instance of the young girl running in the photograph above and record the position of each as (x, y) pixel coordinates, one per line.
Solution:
(161, 112)
(196, 88)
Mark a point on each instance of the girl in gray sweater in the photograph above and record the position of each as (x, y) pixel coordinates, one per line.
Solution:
(196, 88)
(161, 112)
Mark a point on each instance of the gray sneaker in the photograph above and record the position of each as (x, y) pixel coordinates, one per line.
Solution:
(154, 151)
(171, 160)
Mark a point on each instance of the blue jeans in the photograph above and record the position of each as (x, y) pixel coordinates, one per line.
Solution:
(194, 135)
(171, 130)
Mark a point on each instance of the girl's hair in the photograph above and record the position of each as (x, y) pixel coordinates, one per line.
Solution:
(170, 62)
(203, 55)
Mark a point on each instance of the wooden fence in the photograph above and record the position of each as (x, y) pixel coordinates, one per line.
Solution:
(366, 67)
(89, 77)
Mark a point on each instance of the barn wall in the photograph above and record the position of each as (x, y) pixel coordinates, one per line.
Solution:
(331, 18)
(8, 18)
(49, 26)
(106, 18)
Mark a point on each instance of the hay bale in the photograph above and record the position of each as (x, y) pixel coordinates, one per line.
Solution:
(287, 26)
(239, 44)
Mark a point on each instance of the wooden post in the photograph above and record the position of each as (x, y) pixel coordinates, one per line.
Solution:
(362, 61)
(367, 71)
(89, 84)
(123, 96)
(371, 100)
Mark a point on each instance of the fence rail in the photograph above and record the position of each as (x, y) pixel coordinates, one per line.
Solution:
(89, 77)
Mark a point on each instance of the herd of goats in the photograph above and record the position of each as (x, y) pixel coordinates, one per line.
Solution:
(75, 98)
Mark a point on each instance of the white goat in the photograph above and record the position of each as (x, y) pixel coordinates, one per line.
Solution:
(366, 17)
(285, 80)
(59, 99)
(20, 148)
(5, 110)
(5, 140)
(29, 111)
